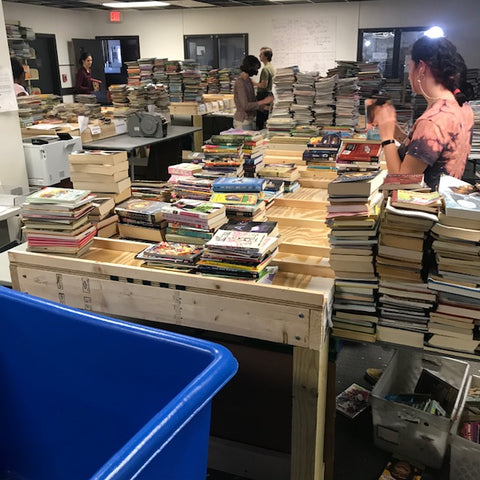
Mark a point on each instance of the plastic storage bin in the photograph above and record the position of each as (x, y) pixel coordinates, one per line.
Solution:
(88, 397)
(406, 430)
(464, 454)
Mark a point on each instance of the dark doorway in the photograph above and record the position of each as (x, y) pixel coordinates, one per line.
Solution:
(46, 63)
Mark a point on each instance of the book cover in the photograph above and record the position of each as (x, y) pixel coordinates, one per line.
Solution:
(239, 184)
(139, 209)
(402, 180)
(406, 198)
(356, 151)
(462, 202)
(397, 469)
(353, 401)
(169, 250)
(194, 208)
(237, 239)
(58, 195)
(234, 198)
(254, 227)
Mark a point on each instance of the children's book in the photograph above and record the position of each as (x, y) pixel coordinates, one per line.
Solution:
(353, 401)
(397, 469)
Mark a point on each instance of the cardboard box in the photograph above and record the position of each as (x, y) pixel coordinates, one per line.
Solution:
(97, 132)
(48, 129)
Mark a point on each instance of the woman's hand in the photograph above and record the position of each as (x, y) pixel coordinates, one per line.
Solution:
(385, 119)
(96, 86)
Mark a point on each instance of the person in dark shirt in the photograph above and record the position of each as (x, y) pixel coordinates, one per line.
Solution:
(83, 80)
(18, 77)
(440, 139)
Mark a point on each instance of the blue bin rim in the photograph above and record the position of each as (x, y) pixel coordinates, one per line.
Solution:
(135, 455)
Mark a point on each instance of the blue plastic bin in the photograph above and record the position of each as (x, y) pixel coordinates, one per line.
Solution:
(88, 397)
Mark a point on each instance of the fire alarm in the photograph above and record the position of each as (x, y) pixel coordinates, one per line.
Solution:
(115, 16)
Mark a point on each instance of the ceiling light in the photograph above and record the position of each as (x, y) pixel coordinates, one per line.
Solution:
(434, 32)
(146, 4)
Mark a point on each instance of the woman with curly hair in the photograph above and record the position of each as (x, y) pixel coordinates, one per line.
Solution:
(440, 139)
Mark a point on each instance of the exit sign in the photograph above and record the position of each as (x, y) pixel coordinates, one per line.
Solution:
(115, 16)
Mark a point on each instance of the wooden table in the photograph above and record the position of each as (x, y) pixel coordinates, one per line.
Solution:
(293, 311)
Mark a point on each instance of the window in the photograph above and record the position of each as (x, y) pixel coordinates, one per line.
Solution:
(388, 46)
(217, 51)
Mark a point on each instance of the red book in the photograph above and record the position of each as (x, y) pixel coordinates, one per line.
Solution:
(359, 151)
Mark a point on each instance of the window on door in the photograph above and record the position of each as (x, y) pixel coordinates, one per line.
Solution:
(216, 50)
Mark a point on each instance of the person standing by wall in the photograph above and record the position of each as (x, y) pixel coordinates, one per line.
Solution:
(265, 84)
(18, 77)
(83, 81)
(244, 95)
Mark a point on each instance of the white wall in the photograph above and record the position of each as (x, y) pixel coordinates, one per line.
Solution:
(12, 161)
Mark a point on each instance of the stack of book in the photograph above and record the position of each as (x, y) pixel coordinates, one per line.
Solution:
(225, 78)
(370, 80)
(305, 131)
(253, 148)
(118, 92)
(141, 219)
(347, 102)
(171, 256)
(56, 221)
(223, 156)
(286, 172)
(159, 75)
(204, 69)
(353, 211)
(192, 91)
(304, 95)
(152, 190)
(321, 152)
(193, 188)
(146, 70)
(324, 104)
(133, 73)
(213, 81)
(475, 151)
(456, 243)
(102, 217)
(403, 230)
(242, 197)
(175, 83)
(182, 171)
(103, 172)
(359, 156)
(193, 221)
(240, 250)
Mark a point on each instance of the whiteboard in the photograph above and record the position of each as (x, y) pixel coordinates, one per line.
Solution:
(306, 42)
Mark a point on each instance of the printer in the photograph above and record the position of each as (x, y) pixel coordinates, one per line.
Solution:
(46, 157)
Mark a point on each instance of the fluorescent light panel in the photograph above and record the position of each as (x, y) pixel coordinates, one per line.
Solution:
(146, 4)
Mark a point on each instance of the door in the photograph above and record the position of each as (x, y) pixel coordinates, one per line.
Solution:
(46, 62)
(94, 48)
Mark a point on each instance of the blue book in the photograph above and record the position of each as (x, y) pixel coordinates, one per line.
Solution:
(238, 184)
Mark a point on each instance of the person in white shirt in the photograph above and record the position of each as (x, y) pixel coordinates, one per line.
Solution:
(18, 77)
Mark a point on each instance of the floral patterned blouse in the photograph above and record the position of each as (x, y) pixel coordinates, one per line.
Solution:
(442, 139)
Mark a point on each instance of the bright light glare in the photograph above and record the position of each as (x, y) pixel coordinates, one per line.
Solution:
(435, 32)
(367, 43)
(146, 4)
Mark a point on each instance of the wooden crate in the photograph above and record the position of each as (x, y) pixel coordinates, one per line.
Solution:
(108, 279)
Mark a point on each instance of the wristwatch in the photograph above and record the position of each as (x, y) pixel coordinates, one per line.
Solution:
(387, 142)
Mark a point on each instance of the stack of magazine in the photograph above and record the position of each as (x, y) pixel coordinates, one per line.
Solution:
(56, 221)
(240, 250)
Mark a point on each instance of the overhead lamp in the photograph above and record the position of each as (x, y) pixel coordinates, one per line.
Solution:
(435, 32)
(146, 4)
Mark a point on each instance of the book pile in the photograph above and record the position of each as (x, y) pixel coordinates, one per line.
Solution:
(321, 152)
(171, 256)
(324, 104)
(141, 219)
(137, 97)
(240, 250)
(370, 80)
(304, 95)
(133, 73)
(401, 181)
(242, 197)
(456, 242)
(253, 148)
(146, 70)
(280, 121)
(223, 156)
(157, 95)
(226, 79)
(359, 156)
(193, 187)
(193, 221)
(286, 172)
(152, 190)
(352, 216)
(118, 92)
(475, 151)
(213, 81)
(159, 74)
(103, 172)
(192, 91)
(175, 84)
(204, 69)
(56, 221)
(102, 218)
(402, 239)
(182, 170)
(347, 102)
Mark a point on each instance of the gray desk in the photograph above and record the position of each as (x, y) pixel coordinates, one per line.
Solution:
(129, 144)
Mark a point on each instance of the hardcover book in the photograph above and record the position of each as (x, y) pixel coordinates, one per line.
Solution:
(359, 151)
